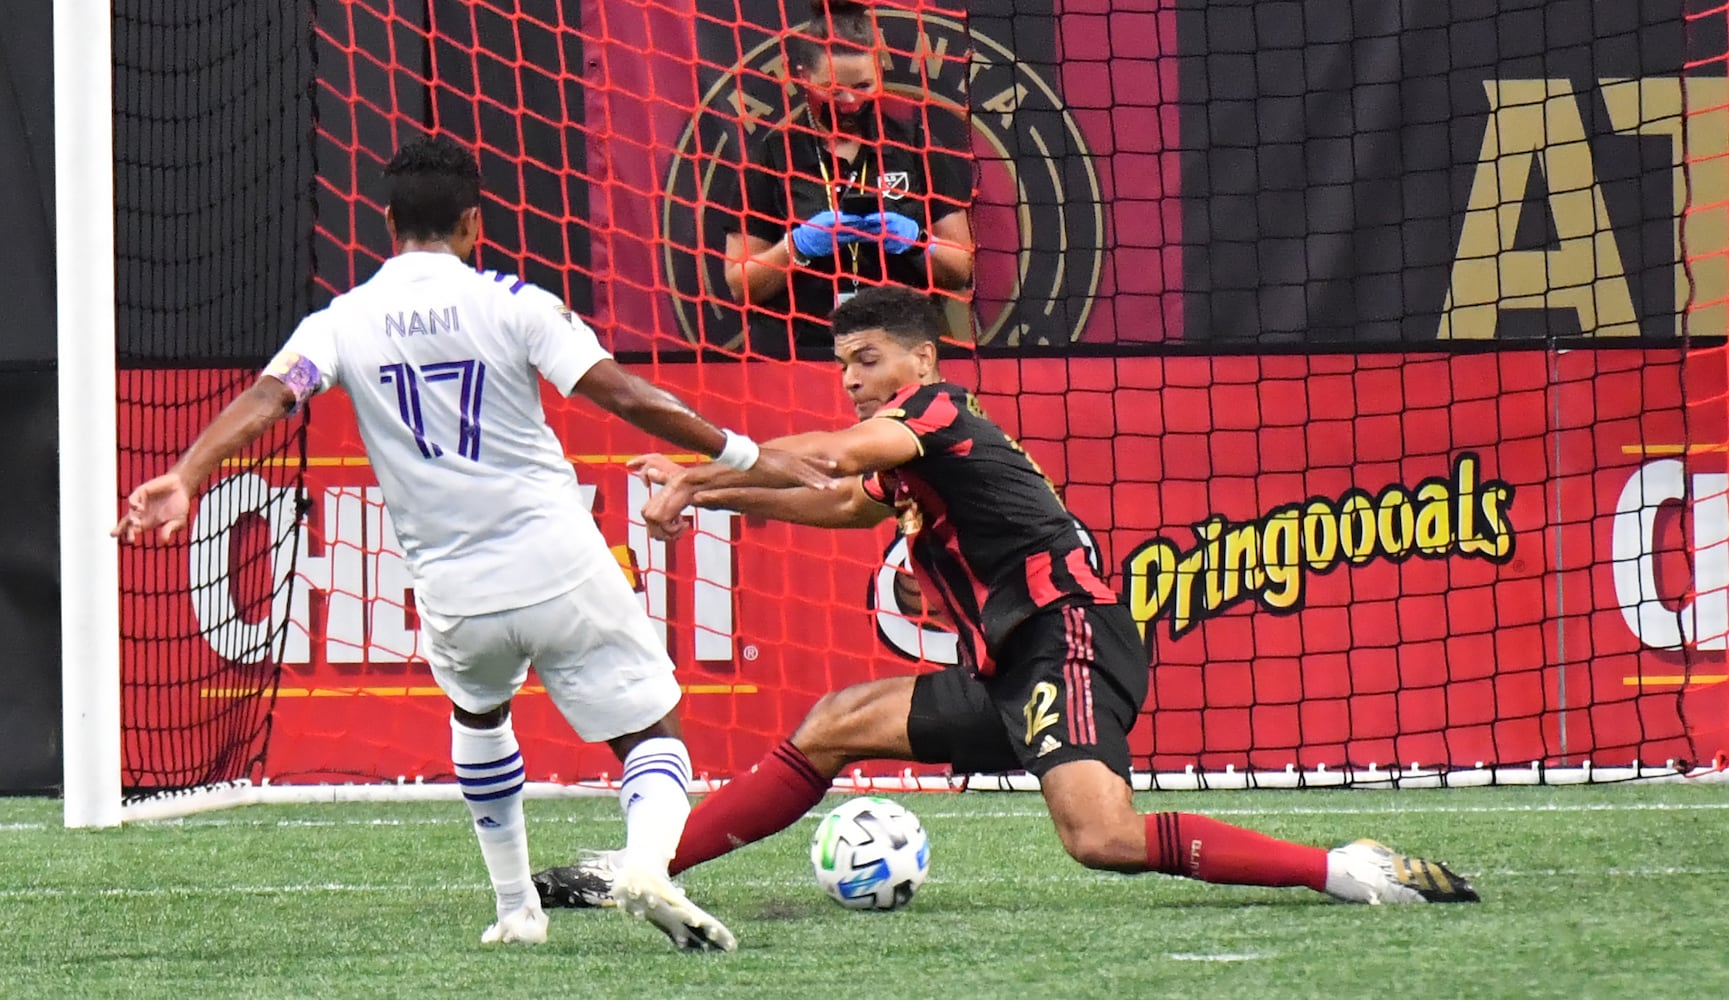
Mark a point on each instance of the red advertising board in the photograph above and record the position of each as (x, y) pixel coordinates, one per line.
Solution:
(1434, 559)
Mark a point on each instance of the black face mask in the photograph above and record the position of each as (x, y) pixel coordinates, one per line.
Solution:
(826, 115)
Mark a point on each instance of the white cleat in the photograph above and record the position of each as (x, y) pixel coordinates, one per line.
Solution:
(643, 892)
(526, 925)
(1369, 872)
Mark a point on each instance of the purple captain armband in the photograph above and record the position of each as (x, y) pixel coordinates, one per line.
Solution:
(298, 373)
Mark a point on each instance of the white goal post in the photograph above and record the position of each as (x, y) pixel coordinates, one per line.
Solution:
(88, 433)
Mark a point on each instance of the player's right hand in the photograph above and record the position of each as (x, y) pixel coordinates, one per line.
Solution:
(161, 505)
(822, 234)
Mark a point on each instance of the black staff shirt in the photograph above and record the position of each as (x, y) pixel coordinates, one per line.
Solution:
(784, 184)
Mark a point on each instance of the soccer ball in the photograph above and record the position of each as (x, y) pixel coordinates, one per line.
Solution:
(870, 854)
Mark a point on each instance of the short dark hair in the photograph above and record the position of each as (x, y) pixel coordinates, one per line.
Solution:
(432, 182)
(908, 316)
(843, 27)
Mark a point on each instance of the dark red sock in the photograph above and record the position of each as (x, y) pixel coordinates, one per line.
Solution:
(766, 799)
(1200, 847)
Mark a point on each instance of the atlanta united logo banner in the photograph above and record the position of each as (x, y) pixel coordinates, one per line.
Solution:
(982, 84)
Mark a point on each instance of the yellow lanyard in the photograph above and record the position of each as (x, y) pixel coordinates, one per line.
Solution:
(834, 205)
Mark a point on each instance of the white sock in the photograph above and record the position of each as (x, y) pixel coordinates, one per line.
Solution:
(489, 768)
(655, 803)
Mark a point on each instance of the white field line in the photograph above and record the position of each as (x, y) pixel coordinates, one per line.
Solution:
(1078, 877)
(456, 816)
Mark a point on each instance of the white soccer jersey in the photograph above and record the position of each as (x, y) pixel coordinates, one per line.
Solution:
(443, 365)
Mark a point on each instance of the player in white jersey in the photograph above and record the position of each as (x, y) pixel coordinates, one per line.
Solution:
(443, 365)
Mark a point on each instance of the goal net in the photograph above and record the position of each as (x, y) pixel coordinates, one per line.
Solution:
(1379, 355)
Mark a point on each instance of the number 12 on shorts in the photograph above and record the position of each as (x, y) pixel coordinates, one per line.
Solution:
(470, 376)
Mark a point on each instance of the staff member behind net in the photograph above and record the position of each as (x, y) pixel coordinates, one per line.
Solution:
(842, 196)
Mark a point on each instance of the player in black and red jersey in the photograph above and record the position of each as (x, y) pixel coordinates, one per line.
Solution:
(1053, 670)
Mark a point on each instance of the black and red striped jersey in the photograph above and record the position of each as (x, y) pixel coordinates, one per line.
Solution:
(985, 528)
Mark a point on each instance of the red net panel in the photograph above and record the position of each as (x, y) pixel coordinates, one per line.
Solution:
(1381, 362)
(623, 145)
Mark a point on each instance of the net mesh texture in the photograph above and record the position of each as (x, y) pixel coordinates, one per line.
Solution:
(1380, 358)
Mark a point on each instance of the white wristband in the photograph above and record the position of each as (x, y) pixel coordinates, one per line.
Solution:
(739, 453)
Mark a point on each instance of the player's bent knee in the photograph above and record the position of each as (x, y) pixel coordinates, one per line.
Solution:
(1103, 847)
(1094, 814)
(826, 726)
(855, 723)
(1105, 853)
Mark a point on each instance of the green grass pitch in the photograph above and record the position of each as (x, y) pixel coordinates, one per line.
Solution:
(1618, 892)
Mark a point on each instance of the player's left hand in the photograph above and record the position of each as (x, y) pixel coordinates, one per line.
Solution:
(899, 233)
(161, 505)
(664, 511)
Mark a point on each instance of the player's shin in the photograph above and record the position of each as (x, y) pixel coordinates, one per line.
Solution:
(766, 799)
(1203, 848)
(654, 798)
(489, 768)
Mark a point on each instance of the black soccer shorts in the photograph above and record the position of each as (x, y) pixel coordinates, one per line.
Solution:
(1069, 683)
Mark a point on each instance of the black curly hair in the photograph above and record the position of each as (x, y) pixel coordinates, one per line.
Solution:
(909, 317)
(432, 182)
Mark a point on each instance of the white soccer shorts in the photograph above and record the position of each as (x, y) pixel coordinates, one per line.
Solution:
(592, 646)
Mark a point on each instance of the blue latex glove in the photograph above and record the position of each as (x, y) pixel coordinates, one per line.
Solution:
(823, 233)
(899, 233)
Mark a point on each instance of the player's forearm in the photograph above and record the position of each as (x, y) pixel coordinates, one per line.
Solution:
(713, 476)
(238, 425)
(846, 454)
(664, 415)
(801, 505)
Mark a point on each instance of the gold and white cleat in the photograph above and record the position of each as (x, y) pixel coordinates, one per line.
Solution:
(1366, 871)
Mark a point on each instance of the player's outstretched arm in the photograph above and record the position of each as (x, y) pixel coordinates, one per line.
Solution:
(867, 447)
(847, 505)
(645, 405)
(163, 504)
(864, 448)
